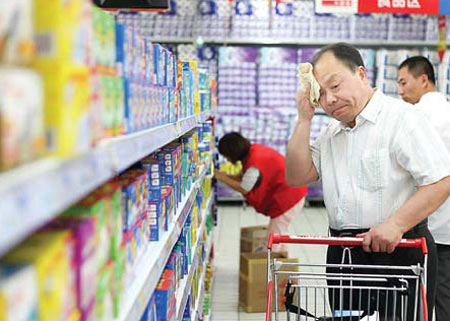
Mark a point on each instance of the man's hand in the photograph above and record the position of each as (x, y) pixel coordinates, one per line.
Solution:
(304, 107)
(383, 237)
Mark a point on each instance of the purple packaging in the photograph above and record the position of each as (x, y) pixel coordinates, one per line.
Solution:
(88, 314)
(84, 261)
(83, 231)
(272, 55)
(86, 272)
(306, 54)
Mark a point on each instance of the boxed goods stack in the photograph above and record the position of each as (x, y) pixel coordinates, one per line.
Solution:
(97, 226)
(22, 136)
(253, 270)
(253, 239)
(62, 59)
(43, 260)
(106, 80)
(253, 281)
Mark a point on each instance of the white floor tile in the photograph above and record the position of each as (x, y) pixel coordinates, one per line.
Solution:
(225, 305)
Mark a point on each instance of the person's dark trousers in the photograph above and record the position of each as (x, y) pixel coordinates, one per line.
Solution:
(352, 300)
(443, 283)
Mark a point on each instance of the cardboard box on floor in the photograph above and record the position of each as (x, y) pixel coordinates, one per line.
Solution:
(253, 281)
(253, 238)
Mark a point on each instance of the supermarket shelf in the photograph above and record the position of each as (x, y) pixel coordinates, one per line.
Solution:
(201, 295)
(34, 193)
(209, 317)
(153, 261)
(199, 300)
(297, 42)
(204, 116)
(129, 149)
(230, 199)
(185, 286)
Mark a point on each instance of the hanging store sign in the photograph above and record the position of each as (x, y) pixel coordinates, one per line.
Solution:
(336, 6)
(399, 6)
(133, 4)
(444, 7)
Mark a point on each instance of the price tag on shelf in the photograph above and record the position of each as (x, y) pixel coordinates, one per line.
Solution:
(178, 129)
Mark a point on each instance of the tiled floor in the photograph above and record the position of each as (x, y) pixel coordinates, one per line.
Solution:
(225, 307)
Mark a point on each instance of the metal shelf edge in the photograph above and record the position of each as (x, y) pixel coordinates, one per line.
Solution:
(185, 291)
(145, 291)
(300, 42)
(44, 188)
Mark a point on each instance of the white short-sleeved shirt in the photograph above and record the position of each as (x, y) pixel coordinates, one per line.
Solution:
(437, 110)
(250, 178)
(369, 171)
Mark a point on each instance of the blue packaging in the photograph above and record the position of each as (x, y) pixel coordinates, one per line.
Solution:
(156, 57)
(120, 42)
(164, 296)
(152, 309)
(153, 167)
(207, 8)
(156, 219)
(167, 160)
(187, 309)
(129, 199)
(128, 101)
(149, 65)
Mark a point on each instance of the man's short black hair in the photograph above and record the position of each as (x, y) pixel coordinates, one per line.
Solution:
(344, 52)
(419, 65)
(234, 146)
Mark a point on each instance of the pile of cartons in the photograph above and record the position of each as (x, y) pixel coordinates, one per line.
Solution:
(253, 270)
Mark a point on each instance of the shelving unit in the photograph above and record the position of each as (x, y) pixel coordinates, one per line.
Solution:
(35, 193)
(209, 317)
(201, 294)
(296, 42)
(153, 261)
(185, 287)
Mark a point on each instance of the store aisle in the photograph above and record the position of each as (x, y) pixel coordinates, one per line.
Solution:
(225, 305)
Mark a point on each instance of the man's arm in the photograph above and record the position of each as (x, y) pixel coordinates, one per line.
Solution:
(230, 180)
(300, 169)
(385, 237)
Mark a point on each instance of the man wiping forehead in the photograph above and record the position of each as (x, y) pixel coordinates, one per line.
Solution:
(381, 176)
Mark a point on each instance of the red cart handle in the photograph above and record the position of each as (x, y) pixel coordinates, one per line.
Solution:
(350, 241)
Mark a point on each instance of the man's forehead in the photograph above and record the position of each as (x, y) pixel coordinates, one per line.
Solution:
(328, 76)
(328, 66)
(403, 73)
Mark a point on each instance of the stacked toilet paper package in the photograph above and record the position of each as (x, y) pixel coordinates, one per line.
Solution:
(289, 21)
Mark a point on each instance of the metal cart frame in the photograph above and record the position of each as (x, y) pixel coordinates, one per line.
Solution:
(379, 296)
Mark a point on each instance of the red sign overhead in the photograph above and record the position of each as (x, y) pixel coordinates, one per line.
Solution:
(399, 6)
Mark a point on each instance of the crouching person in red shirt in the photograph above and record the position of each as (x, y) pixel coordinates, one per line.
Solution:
(262, 182)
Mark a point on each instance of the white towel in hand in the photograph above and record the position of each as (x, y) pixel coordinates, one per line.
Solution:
(305, 76)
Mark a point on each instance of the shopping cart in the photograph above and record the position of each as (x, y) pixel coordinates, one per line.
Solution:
(357, 292)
